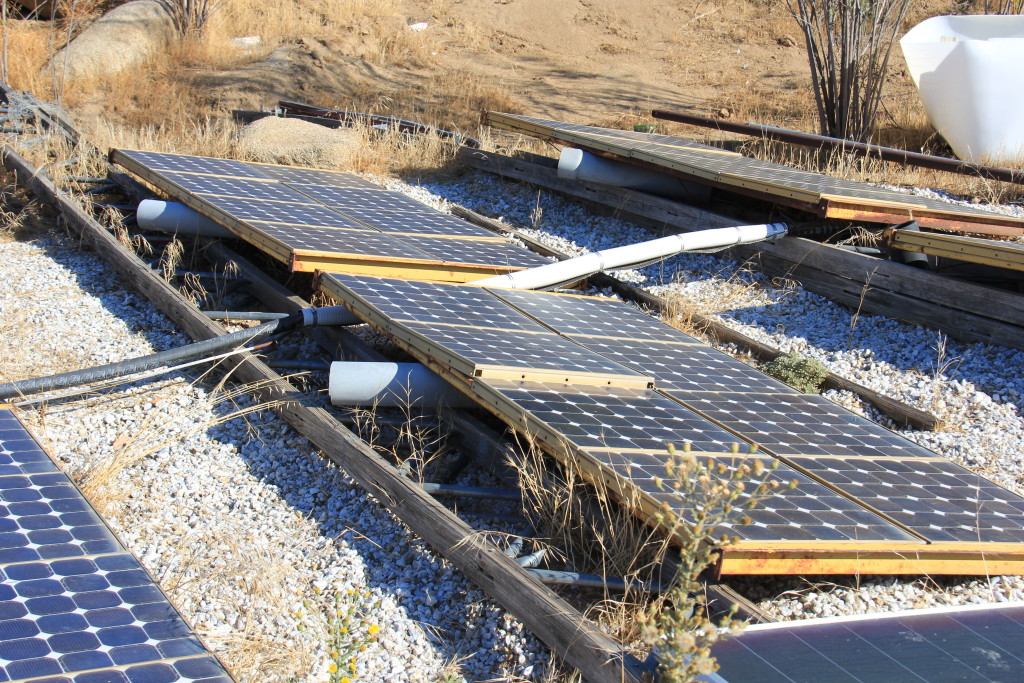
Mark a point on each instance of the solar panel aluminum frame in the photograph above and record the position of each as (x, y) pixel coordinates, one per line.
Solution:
(822, 204)
(458, 369)
(310, 261)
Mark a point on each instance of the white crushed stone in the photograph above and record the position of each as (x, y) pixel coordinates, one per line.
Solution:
(249, 532)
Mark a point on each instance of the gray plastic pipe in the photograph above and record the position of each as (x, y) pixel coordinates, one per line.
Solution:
(570, 270)
(575, 164)
(172, 217)
(391, 385)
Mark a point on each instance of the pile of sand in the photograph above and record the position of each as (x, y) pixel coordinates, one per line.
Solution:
(296, 142)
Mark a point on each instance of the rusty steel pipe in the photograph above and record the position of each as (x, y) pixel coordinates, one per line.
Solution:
(899, 156)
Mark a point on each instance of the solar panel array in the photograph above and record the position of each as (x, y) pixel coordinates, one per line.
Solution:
(608, 386)
(74, 604)
(814, 192)
(952, 644)
(316, 219)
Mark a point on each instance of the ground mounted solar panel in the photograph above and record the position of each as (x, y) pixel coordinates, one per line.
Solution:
(75, 606)
(314, 219)
(868, 500)
(813, 192)
(965, 643)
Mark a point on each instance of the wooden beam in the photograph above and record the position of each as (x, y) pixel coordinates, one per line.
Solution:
(901, 413)
(559, 625)
(999, 254)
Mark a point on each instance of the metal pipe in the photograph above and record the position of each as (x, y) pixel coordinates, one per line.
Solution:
(612, 583)
(485, 492)
(174, 217)
(570, 270)
(392, 385)
(899, 156)
(262, 316)
(311, 365)
(533, 559)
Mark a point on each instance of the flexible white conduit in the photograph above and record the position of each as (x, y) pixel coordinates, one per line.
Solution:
(577, 268)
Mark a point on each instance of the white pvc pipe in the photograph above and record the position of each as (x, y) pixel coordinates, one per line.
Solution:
(580, 267)
(575, 164)
(175, 218)
(391, 385)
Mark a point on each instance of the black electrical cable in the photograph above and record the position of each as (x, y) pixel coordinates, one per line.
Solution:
(207, 347)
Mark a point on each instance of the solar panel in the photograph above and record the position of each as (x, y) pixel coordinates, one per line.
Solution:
(73, 602)
(965, 643)
(937, 499)
(591, 316)
(284, 212)
(814, 192)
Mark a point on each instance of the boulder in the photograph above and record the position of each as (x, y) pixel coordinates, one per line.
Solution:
(295, 142)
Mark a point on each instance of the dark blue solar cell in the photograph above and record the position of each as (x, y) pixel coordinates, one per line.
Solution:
(12, 555)
(7, 592)
(154, 611)
(112, 616)
(6, 466)
(18, 628)
(165, 630)
(80, 661)
(79, 518)
(21, 495)
(32, 508)
(199, 668)
(133, 654)
(129, 578)
(7, 524)
(60, 550)
(23, 447)
(70, 505)
(62, 623)
(12, 610)
(102, 677)
(30, 668)
(40, 522)
(138, 595)
(122, 635)
(53, 479)
(13, 540)
(39, 588)
(50, 536)
(97, 599)
(14, 482)
(93, 532)
(24, 572)
(106, 546)
(58, 492)
(79, 641)
(44, 465)
(73, 567)
(23, 648)
(152, 673)
(86, 582)
(57, 604)
(116, 562)
(180, 647)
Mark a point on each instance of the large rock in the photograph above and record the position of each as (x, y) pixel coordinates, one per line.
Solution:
(296, 142)
(124, 36)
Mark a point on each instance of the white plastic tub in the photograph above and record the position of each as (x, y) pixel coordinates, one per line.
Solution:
(970, 72)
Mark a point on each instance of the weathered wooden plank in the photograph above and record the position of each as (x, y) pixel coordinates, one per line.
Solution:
(550, 618)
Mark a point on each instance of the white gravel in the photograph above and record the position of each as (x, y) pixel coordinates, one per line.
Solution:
(977, 389)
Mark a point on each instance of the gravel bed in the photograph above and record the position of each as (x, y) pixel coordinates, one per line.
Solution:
(976, 389)
(286, 568)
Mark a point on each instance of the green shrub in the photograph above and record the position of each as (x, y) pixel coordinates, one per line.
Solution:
(803, 374)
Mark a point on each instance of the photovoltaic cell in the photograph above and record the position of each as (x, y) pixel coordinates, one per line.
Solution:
(241, 188)
(685, 367)
(307, 215)
(296, 177)
(195, 165)
(961, 644)
(591, 316)
(73, 603)
(426, 222)
(433, 302)
(341, 242)
(482, 252)
(357, 197)
(801, 424)
(936, 498)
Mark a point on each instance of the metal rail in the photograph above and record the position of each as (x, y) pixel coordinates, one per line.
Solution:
(899, 156)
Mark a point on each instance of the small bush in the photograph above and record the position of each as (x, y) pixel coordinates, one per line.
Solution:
(803, 374)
